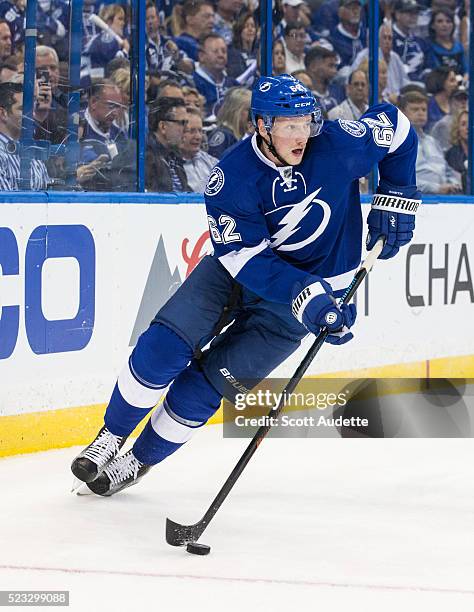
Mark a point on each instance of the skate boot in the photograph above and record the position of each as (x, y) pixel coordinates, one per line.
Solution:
(124, 471)
(95, 457)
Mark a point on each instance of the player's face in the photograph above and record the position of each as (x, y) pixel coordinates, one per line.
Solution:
(290, 136)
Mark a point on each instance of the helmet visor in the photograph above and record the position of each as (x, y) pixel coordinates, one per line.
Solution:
(294, 127)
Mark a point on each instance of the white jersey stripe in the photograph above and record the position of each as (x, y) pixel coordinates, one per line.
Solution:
(403, 127)
(234, 261)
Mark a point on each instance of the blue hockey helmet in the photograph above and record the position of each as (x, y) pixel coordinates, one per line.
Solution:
(283, 96)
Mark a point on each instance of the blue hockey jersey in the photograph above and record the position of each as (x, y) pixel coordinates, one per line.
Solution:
(272, 226)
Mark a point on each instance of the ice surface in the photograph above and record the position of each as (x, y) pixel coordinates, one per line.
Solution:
(348, 524)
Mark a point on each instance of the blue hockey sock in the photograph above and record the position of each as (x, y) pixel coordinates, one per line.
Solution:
(159, 356)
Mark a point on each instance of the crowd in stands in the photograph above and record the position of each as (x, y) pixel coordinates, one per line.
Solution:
(202, 57)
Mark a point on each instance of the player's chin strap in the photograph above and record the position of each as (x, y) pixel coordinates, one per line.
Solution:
(272, 149)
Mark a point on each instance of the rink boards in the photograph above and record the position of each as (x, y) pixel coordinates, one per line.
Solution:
(79, 281)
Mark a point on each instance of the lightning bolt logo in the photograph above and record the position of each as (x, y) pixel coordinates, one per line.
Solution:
(291, 223)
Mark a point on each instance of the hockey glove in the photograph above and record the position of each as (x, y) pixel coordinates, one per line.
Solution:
(393, 217)
(315, 307)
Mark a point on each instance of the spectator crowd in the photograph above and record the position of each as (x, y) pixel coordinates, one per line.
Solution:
(202, 57)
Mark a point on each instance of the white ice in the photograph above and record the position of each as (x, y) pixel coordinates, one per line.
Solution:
(314, 524)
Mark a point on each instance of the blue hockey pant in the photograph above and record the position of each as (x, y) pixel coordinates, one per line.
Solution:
(174, 357)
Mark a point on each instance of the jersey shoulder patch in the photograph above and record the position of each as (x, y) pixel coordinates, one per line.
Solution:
(216, 182)
(354, 128)
(217, 138)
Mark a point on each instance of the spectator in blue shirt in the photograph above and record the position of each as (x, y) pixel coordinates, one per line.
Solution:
(162, 53)
(198, 21)
(227, 12)
(104, 47)
(348, 38)
(52, 21)
(210, 75)
(321, 65)
(291, 12)
(242, 53)
(441, 83)
(413, 51)
(444, 49)
(13, 13)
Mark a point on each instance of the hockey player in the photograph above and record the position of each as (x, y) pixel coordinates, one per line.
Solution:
(286, 224)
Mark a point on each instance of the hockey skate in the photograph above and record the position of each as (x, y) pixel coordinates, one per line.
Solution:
(124, 471)
(95, 457)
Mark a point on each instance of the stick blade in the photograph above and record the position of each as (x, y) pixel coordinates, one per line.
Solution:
(180, 535)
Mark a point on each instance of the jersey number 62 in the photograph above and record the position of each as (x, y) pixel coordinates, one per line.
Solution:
(227, 234)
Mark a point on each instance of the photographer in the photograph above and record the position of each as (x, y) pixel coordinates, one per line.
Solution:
(51, 103)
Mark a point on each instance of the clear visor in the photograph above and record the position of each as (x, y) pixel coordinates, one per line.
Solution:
(294, 127)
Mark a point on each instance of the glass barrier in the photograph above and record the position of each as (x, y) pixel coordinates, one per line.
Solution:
(84, 130)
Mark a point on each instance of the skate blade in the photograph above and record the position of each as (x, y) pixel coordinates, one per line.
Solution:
(80, 488)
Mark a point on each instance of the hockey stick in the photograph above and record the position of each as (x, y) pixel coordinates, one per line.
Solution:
(100, 23)
(179, 535)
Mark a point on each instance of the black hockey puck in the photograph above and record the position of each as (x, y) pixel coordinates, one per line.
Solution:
(198, 549)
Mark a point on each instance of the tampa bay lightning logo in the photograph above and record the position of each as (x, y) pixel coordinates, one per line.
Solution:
(291, 223)
(354, 128)
(264, 87)
(216, 182)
